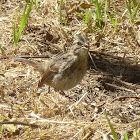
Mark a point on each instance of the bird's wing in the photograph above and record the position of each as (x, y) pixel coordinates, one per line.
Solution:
(61, 63)
(48, 75)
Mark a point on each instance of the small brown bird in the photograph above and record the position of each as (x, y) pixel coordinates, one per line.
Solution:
(66, 70)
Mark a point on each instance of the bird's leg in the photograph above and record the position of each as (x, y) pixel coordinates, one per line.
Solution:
(63, 94)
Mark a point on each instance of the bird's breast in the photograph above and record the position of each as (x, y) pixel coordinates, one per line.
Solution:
(71, 75)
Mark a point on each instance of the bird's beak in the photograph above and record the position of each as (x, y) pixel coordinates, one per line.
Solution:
(86, 45)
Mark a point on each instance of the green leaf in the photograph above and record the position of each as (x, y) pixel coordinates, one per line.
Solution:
(80, 14)
(98, 7)
(134, 13)
(128, 7)
(105, 10)
(22, 23)
(15, 39)
(135, 134)
(60, 13)
(1, 128)
(134, 3)
(36, 3)
(125, 136)
(112, 20)
(111, 127)
(86, 17)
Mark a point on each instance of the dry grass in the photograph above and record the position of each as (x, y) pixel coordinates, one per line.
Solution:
(113, 86)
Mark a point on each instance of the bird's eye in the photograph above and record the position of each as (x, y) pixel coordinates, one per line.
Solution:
(79, 43)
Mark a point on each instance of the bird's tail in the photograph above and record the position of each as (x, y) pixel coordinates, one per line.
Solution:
(36, 65)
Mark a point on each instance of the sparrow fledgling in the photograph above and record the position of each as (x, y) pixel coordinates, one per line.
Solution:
(67, 69)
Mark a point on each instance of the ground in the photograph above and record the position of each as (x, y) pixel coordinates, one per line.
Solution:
(110, 84)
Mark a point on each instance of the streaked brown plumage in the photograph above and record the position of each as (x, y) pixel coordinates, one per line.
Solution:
(66, 70)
